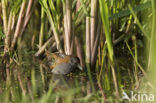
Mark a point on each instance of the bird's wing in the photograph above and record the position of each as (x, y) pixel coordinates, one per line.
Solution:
(62, 68)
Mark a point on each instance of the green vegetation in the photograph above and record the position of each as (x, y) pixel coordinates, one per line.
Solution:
(114, 40)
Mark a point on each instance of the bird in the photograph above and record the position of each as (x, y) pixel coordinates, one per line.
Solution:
(61, 63)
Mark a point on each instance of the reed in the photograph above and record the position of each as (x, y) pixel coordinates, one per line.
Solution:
(109, 37)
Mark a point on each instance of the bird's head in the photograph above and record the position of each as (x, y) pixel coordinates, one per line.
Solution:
(76, 62)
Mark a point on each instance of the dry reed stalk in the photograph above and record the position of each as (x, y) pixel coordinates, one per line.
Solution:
(115, 81)
(41, 49)
(77, 5)
(68, 26)
(96, 44)
(88, 43)
(30, 91)
(19, 24)
(93, 21)
(102, 91)
(4, 13)
(49, 41)
(59, 47)
(8, 73)
(29, 12)
(79, 51)
(20, 27)
(21, 83)
(8, 35)
(29, 8)
(13, 22)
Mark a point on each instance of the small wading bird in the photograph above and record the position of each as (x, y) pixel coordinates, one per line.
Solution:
(61, 63)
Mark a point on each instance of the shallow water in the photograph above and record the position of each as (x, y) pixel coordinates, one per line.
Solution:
(38, 80)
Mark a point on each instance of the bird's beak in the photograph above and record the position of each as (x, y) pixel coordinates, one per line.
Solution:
(80, 67)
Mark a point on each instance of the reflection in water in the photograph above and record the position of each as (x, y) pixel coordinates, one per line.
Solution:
(37, 79)
(63, 82)
(68, 81)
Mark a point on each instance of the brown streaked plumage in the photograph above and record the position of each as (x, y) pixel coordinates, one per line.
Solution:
(61, 63)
